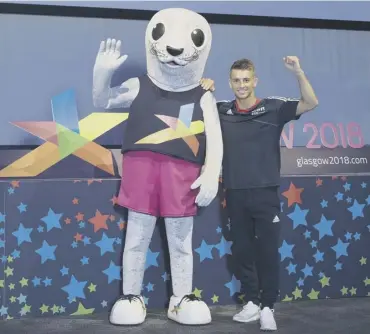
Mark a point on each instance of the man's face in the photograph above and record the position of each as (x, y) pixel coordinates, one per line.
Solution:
(242, 82)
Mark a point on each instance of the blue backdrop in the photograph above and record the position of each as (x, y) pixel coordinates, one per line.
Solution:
(332, 10)
(44, 56)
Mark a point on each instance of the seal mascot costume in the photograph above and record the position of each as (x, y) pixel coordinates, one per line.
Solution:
(172, 154)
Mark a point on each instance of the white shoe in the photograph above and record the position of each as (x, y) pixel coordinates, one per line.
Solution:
(250, 312)
(267, 320)
(128, 310)
(189, 310)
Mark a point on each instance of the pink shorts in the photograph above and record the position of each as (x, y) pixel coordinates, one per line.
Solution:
(158, 185)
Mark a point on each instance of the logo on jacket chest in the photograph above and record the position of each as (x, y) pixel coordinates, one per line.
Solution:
(255, 112)
(258, 111)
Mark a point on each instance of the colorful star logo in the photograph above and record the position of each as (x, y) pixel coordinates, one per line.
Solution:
(66, 135)
(181, 127)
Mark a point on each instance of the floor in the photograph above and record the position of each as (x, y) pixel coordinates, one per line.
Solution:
(345, 316)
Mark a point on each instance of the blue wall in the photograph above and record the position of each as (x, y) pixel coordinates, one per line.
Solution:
(333, 10)
(43, 56)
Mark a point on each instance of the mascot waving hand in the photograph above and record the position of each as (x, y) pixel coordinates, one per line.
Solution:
(172, 153)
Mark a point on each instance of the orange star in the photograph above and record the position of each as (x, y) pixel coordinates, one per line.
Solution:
(67, 220)
(220, 180)
(114, 200)
(99, 221)
(344, 178)
(223, 203)
(93, 180)
(122, 225)
(15, 184)
(293, 194)
(334, 177)
(78, 237)
(112, 218)
(80, 217)
(75, 201)
(318, 182)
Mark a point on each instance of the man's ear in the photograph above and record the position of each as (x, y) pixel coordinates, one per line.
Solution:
(255, 82)
(230, 83)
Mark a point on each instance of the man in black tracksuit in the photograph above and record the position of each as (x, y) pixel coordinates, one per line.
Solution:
(251, 130)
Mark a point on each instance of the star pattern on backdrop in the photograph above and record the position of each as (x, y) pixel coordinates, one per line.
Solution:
(62, 251)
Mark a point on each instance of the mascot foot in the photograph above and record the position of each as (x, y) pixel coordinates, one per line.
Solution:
(189, 310)
(128, 310)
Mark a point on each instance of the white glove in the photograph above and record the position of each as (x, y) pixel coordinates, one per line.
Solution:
(208, 189)
(109, 56)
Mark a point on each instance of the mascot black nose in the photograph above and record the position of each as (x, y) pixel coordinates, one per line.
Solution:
(174, 52)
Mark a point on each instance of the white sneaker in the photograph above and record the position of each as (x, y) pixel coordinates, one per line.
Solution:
(128, 310)
(250, 312)
(267, 320)
(189, 310)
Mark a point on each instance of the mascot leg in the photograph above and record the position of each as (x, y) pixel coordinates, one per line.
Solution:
(130, 308)
(184, 307)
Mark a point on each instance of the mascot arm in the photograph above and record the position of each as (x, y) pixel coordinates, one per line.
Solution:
(209, 179)
(214, 144)
(108, 60)
(116, 97)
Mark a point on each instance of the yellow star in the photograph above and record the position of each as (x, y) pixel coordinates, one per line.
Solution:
(26, 309)
(297, 293)
(23, 282)
(1, 283)
(313, 294)
(10, 259)
(175, 309)
(287, 299)
(197, 293)
(363, 261)
(344, 291)
(81, 310)
(241, 298)
(8, 272)
(9, 317)
(12, 299)
(367, 281)
(44, 309)
(215, 299)
(324, 281)
(55, 309)
(92, 287)
(11, 286)
(353, 291)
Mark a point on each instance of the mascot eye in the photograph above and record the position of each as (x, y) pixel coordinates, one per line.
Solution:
(158, 31)
(198, 37)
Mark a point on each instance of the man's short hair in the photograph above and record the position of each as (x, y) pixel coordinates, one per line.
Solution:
(243, 64)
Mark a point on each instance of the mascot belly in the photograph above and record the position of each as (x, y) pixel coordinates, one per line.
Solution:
(172, 154)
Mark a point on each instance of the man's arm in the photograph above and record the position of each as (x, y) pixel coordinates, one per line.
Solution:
(308, 100)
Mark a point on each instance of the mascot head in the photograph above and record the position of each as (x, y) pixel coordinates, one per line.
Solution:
(177, 42)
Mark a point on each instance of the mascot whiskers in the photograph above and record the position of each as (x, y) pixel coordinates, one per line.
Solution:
(172, 153)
